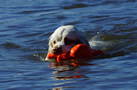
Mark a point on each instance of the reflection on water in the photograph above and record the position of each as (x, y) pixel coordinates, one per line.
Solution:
(69, 64)
(68, 70)
(66, 73)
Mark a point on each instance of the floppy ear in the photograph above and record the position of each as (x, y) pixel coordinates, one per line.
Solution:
(82, 42)
(78, 42)
(82, 39)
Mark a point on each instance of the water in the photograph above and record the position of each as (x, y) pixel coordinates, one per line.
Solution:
(25, 26)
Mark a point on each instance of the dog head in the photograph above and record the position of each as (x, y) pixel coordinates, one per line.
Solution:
(64, 38)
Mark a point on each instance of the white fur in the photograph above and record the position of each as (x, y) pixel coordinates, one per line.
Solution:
(57, 39)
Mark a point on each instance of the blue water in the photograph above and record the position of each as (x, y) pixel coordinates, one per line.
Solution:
(109, 25)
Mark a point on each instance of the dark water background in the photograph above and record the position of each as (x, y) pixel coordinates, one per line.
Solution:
(25, 26)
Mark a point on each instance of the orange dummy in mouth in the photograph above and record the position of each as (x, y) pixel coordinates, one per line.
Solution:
(79, 51)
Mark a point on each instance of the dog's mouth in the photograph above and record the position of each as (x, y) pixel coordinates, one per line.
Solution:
(57, 51)
(60, 51)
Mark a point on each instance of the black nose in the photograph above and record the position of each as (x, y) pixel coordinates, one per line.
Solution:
(57, 50)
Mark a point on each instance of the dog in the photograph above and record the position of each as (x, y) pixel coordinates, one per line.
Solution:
(64, 38)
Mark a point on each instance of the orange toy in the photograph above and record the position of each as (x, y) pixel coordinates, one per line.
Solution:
(79, 51)
(51, 56)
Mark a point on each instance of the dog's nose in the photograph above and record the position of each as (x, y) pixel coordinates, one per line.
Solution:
(57, 50)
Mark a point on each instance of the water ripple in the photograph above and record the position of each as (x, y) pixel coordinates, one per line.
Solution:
(26, 26)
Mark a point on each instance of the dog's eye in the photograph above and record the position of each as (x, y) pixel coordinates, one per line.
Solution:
(68, 41)
(54, 42)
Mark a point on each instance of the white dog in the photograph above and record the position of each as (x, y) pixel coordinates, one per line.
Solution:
(64, 38)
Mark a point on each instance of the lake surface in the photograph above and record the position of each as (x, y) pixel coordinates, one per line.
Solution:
(109, 25)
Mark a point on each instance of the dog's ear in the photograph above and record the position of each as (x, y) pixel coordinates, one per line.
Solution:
(78, 42)
(68, 41)
(82, 42)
